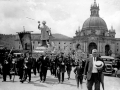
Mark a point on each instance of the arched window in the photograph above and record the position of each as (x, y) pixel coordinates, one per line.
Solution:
(33, 47)
(59, 47)
(19, 46)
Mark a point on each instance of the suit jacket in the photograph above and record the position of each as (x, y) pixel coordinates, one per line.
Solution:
(89, 66)
(79, 71)
(62, 66)
(44, 63)
(28, 63)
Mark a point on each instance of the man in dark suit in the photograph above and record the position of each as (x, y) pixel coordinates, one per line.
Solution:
(68, 66)
(34, 64)
(61, 68)
(27, 67)
(6, 67)
(20, 67)
(43, 68)
(91, 72)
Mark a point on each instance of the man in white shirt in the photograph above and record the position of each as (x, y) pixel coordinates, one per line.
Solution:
(91, 72)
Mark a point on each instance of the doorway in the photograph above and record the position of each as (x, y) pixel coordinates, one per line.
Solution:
(91, 47)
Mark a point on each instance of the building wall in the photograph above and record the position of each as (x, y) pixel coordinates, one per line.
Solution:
(7, 40)
(64, 45)
(60, 45)
(117, 47)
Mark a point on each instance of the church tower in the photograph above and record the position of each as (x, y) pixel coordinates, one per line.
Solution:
(94, 9)
(95, 35)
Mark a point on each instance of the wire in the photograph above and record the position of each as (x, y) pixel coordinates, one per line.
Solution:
(30, 18)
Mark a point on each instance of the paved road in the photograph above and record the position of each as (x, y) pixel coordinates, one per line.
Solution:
(111, 83)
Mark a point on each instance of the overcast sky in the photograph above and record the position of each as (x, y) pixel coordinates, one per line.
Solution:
(62, 16)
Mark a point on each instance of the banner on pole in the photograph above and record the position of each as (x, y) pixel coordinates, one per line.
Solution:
(25, 38)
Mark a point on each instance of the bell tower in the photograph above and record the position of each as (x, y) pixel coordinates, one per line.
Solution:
(94, 9)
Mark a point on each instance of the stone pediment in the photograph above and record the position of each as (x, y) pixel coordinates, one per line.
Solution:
(93, 38)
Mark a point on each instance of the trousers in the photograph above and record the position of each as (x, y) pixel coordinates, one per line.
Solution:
(94, 79)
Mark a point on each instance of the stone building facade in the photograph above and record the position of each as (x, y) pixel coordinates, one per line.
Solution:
(95, 35)
(60, 42)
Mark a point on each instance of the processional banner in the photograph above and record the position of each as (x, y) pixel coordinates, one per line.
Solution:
(25, 38)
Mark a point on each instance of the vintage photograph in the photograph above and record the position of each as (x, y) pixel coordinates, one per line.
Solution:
(59, 45)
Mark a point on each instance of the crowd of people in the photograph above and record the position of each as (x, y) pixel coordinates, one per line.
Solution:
(57, 64)
(24, 64)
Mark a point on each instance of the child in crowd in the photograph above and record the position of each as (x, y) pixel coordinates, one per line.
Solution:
(79, 74)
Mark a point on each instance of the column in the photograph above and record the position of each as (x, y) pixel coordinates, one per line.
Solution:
(84, 46)
(98, 47)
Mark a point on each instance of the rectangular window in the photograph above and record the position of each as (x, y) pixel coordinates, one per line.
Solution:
(117, 50)
(33, 42)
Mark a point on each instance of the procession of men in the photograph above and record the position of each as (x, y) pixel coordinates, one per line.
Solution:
(57, 64)
(24, 65)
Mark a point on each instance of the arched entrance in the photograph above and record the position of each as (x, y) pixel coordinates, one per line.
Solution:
(107, 49)
(91, 47)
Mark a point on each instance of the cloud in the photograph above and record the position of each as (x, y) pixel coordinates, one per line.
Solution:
(62, 16)
(58, 14)
(114, 20)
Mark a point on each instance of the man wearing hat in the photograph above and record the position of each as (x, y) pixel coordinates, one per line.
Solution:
(93, 72)
(27, 67)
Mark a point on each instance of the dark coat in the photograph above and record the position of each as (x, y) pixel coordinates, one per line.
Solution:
(89, 66)
(28, 63)
(44, 63)
(61, 66)
(79, 71)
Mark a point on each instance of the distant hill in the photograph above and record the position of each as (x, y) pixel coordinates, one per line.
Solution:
(7, 40)
(60, 36)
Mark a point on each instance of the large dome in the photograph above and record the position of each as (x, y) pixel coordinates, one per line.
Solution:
(94, 22)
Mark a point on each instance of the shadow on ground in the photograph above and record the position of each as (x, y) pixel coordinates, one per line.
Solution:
(68, 83)
(39, 84)
(51, 81)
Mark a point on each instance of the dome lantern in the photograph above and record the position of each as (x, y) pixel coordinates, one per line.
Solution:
(94, 9)
(94, 22)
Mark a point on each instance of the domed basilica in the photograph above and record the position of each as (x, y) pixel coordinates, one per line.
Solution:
(95, 34)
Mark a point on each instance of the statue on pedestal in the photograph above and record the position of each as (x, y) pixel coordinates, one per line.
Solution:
(45, 33)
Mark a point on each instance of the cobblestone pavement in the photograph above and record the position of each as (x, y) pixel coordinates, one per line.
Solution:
(111, 83)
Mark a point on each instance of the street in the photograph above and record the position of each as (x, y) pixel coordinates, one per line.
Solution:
(111, 83)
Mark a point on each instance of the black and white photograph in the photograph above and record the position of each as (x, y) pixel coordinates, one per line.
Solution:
(59, 45)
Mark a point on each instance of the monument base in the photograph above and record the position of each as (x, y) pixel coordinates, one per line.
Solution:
(44, 43)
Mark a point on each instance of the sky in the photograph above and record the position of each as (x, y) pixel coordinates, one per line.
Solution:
(62, 16)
